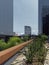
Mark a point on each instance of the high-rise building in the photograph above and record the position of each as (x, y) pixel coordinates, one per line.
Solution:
(27, 30)
(6, 17)
(43, 17)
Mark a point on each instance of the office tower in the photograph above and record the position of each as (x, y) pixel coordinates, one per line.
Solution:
(27, 30)
(40, 15)
(43, 17)
(6, 17)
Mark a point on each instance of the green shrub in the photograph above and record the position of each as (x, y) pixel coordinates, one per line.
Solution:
(29, 53)
(26, 37)
(41, 54)
(18, 40)
(14, 41)
(2, 45)
(40, 50)
(43, 38)
(37, 49)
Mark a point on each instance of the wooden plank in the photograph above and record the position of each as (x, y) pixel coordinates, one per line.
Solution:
(6, 54)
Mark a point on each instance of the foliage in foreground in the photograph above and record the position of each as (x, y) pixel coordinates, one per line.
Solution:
(36, 49)
(12, 42)
(29, 53)
(2, 45)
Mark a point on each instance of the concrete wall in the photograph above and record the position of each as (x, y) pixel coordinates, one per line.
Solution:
(42, 11)
(6, 17)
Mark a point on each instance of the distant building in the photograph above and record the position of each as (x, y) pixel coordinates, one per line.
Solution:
(27, 30)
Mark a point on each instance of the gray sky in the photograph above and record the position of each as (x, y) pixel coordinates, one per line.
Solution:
(25, 13)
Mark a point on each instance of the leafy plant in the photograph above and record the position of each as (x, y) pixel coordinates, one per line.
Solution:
(26, 37)
(43, 38)
(36, 48)
(40, 48)
(29, 53)
(2, 45)
(41, 54)
(14, 41)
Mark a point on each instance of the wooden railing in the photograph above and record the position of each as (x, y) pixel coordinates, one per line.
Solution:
(6, 54)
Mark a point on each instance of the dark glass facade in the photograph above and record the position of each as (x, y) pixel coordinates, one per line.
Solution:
(27, 30)
(46, 24)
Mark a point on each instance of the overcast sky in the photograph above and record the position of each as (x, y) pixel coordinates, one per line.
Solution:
(25, 13)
